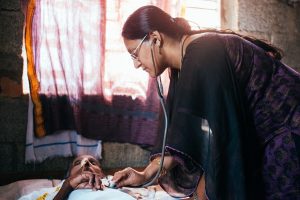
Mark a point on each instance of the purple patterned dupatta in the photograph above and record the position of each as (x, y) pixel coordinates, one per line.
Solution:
(252, 105)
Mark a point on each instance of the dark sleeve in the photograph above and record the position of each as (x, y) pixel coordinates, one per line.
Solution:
(206, 125)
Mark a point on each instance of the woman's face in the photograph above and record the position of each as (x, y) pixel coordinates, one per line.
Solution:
(140, 51)
(85, 163)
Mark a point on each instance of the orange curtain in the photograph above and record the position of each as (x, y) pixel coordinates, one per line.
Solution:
(32, 77)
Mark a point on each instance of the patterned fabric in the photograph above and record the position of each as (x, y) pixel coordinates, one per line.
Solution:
(273, 96)
(252, 104)
(271, 89)
(281, 168)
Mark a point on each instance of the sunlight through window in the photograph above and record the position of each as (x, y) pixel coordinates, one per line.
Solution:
(121, 78)
(201, 13)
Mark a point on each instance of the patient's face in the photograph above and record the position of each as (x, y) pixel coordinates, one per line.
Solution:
(85, 163)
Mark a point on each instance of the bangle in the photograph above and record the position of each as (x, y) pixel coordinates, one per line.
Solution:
(163, 170)
(157, 160)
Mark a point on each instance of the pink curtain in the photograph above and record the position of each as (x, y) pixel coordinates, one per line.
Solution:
(78, 89)
(69, 45)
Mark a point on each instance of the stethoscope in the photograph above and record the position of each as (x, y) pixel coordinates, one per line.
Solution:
(162, 102)
(160, 93)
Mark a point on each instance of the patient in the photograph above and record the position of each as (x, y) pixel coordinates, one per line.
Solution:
(85, 173)
(84, 181)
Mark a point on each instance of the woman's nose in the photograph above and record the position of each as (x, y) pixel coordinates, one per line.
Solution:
(137, 63)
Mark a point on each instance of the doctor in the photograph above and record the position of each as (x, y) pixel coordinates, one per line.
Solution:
(248, 147)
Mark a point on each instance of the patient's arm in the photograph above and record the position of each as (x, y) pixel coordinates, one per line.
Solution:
(64, 192)
(131, 177)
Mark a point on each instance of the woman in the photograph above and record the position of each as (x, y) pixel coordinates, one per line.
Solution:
(85, 176)
(85, 173)
(235, 84)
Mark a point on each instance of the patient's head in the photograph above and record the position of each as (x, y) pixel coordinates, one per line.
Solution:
(85, 163)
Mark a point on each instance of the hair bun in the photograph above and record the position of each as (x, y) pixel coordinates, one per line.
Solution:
(182, 23)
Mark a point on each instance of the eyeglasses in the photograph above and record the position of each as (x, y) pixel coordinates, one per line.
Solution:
(134, 54)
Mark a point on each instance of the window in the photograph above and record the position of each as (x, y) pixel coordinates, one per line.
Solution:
(121, 78)
(202, 13)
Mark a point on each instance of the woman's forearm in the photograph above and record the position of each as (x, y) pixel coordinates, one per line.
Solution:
(152, 168)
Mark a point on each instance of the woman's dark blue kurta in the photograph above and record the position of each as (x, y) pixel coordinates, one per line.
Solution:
(251, 103)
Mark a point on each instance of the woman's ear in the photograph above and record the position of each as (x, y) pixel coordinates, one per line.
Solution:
(156, 38)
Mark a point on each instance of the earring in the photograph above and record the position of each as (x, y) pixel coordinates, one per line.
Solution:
(157, 43)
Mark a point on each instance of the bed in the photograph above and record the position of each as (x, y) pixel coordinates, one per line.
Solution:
(19, 188)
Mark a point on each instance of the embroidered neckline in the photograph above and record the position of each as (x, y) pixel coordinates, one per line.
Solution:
(182, 45)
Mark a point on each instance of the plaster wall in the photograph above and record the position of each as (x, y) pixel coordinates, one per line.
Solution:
(275, 21)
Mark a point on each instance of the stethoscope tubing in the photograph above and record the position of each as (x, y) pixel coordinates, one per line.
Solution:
(162, 102)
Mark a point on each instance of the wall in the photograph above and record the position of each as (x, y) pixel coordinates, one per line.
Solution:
(13, 106)
(272, 20)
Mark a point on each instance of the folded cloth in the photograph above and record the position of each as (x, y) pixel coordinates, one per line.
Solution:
(63, 143)
(23, 187)
(46, 193)
(151, 192)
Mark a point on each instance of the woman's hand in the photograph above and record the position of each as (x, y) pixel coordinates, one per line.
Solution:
(129, 177)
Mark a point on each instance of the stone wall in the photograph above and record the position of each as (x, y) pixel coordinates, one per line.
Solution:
(272, 20)
(275, 21)
(11, 26)
(13, 106)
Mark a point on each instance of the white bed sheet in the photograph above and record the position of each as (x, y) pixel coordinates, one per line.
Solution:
(24, 187)
(19, 188)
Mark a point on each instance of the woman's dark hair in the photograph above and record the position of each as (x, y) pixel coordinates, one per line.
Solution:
(150, 18)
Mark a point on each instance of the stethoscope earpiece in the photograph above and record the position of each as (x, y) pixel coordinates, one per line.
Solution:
(156, 42)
